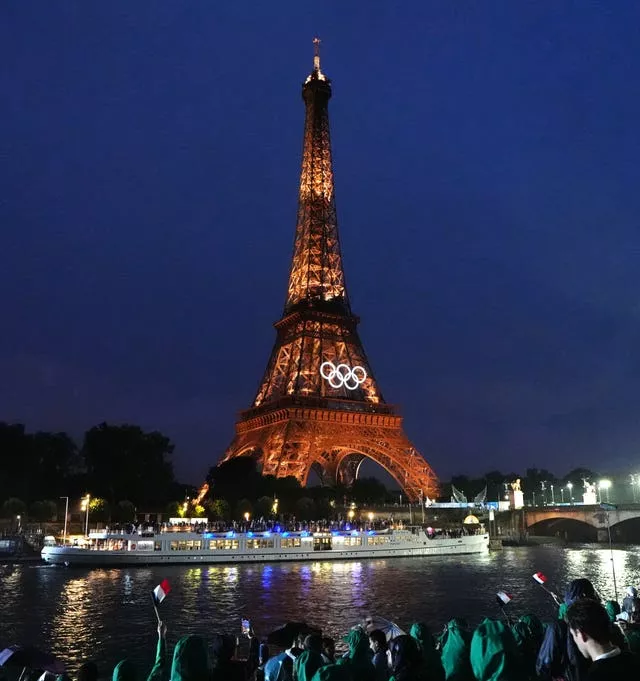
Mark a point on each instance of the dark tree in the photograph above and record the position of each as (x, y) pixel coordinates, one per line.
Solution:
(124, 462)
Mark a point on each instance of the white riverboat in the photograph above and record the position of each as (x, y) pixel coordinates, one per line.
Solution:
(106, 548)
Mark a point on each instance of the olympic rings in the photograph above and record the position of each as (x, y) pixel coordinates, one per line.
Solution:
(343, 375)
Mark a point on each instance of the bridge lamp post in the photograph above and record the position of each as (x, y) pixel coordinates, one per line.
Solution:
(570, 488)
(562, 494)
(606, 486)
(553, 500)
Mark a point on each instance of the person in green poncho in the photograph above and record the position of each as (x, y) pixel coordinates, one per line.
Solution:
(124, 671)
(455, 643)
(358, 659)
(190, 659)
(613, 610)
(310, 660)
(431, 661)
(493, 652)
(528, 633)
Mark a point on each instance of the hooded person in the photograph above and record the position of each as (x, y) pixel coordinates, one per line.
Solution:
(358, 659)
(455, 644)
(559, 656)
(431, 661)
(406, 660)
(627, 601)
(124, 671)
(224, 667)
(190, 660)
(494, 656)
(528, 633)
(310, 660)
(613, 610)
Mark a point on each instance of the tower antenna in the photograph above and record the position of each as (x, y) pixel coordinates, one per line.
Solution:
(316, 54)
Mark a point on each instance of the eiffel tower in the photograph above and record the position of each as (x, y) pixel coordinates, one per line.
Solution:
(319, 406)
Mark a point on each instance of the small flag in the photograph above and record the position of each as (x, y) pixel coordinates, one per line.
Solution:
(540, 578)
(161, 591)
(503, 597)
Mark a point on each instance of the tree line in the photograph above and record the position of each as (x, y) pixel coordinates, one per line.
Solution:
(126, 469)
(121, 466)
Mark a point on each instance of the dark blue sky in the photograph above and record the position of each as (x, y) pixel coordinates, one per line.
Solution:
(486, 160)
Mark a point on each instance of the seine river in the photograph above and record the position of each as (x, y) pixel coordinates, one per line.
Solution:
(106, 614)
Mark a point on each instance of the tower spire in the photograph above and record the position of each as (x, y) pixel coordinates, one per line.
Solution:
(316, 277)
(316, 54)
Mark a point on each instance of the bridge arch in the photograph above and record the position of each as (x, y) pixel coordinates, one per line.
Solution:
(564, 527)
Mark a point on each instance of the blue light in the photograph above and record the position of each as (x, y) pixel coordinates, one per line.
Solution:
(266, 534)
(208, 535)
(304, 534)
(278, 528)
(335, 534)
(249, 534)
(355, 532)
(370, 532)
(285, 534)
(231, 534)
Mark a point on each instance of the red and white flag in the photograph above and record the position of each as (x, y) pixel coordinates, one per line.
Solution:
(161, 591)
(540, 578)
(503, 597)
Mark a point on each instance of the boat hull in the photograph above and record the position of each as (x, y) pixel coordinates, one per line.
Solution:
(72, 556)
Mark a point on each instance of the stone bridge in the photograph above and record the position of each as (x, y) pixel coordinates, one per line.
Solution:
(594, 516)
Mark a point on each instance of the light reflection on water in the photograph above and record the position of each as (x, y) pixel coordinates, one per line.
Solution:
(107, 615)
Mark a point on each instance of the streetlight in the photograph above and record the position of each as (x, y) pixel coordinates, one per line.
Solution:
(66, 515)
(18, 518)
(604, 485)
(84, 506)
(370, 516)
(274, 507)
(247, 516)
(562, 494)
(351, 514)
(553, 500)
(570, 488)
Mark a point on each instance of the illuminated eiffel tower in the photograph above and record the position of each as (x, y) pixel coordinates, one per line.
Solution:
(319, 406)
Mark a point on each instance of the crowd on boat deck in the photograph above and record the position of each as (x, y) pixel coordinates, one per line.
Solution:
(278, 527)
(589, 641)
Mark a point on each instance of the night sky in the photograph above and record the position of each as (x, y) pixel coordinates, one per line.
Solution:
(486, 162)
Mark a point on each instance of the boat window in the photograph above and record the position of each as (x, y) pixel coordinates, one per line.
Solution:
(157, 546)
(260, 543)
(375, 541)
(223, 544)
(322, 543)
(290, 542)
(353, 541)
(144, 546)
(191, 545)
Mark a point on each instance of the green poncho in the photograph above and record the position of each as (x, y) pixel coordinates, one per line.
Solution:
(613, 610)
(359, 658)
(493, 652)
(420, 633)
(528, 633)
(307, 664)
(456, 641)
(190, 660)
(333, 672)
(124, 671)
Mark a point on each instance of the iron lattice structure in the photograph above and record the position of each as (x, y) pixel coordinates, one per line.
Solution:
(301, 421)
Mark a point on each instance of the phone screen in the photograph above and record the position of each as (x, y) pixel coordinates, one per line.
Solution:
(246, 626)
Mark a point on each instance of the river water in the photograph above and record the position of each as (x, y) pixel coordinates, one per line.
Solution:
(106, 614)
